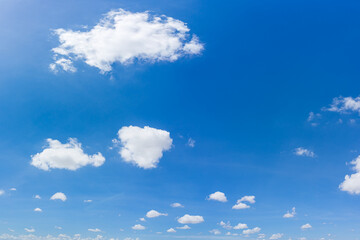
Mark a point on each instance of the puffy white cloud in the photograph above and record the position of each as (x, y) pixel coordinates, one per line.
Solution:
(191, 219)
(241, 226)
(276, 236)
(124, 37)
(94, 230)
(37, 210)
(251, 231)
(68, 156)
(290, 214)
(59, 196)
(154, 214)
(31, 236)
(142, 219)
(300, 151)
(191, 142)
(217, 196)
(306, 226)
(215, 232)
(30, 230)
(351, 184)
(171, 230)
(176, 205)
(2, 192)
(138, 227)
(37, 197)
(143, 146)
(240, 205)
(344, 105)
(225, 225)
(185, 227)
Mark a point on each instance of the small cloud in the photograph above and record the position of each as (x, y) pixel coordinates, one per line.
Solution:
(58, 228)
(351, 184)
(215, 232)
(225, 225)
(189, 219)
(240, 203)
(241, 226)
(217, 196)
(12, 189)
(138, 227)
(304, 152)
(94, 230)
(29, 230)
(176, 205)
(306, 226)
(59, 196)
(191, 142)
(154, 214)
(276, 236)
(185, 227)
(171, 230)
(37, 197)
(88, 201)
(142, 219)
(251, 231)
(37, 210)
(290, 214)
(2, 192)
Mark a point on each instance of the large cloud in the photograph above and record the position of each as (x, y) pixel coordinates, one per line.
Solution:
(68, 156)
(122, 36)
(143, 146)
(344, 105)
(351, 183)
(189, 219)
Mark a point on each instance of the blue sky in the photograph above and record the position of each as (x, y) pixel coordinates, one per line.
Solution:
(266, 92)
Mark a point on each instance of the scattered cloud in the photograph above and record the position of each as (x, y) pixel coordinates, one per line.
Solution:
(251, 231)
(304, 152)
(37, 210)
(290, 214)
(344, 105)
(138, 227)
(225, 225)
(241, 226)
(189, 219)
(37, 197)
(176, 205)
(125, 37)
(217, 196)
(142, 219)
(94, 230)
(185, 227)
(306, 226)
(171, 230)
(215, 232)
(68, 156)
(143, 146)
(351, 184)
(191, 142)
(276, 236)
(240, 203)
(30, 230)
(154, 214)
(59, 196)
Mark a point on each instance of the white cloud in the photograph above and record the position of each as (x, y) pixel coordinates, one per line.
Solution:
(171, 230)
(351, 184)
(2, 192)
(304, 152)
(154, 214)
(58, 228)
(306, 226)
(59, 196)
(31, 236)
(94, 230)
(125, 37)
(276, 236)
(251, 231)
(37, 197)
(138, 227)
(88, 201)
(344, 105)
(290, 214)
(68, 156)
(226, 225)
(261, 236)
(12, 189)
(143, 146)
(37, 210)
(30, 230)
(241, 226)
(142, 219)
(215, 232)
(240, 205)
(176, 205)
(189, 219)
(217, 196)
(191, 142)
(185, 227)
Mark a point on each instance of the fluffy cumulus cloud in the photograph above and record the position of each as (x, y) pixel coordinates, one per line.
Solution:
(124, 37)
(290, 214)
(154, 214)
(59, 196)
(300, 151)
(276, 236)
(37, 210)
(241, 226)
(351, 184)
(143, 146)
(171, 230)
(306, 226)
(225, 225)
(240, 202)
(176, 205)
(191, 219)
(252, 231)
(217, 196)
(344, 105)
(138, 227)
(68, 156)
